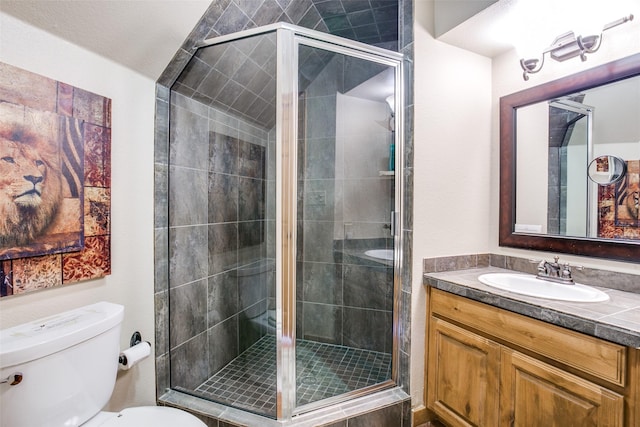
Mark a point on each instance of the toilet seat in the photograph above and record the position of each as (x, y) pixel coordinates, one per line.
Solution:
(156, 416)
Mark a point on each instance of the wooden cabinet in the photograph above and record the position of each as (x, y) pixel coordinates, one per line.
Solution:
(464, 371)
(490, 367)
(535, 394)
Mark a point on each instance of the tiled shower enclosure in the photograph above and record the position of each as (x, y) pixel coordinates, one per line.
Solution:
(284, 171)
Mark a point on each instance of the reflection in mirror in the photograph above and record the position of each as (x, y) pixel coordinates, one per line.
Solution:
(578, 128)
(551, 178)
(607, 170)
(554, 195)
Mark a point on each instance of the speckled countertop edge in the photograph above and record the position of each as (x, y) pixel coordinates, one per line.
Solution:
(616, 320)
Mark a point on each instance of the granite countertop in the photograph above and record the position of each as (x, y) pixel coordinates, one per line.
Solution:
(616, 320)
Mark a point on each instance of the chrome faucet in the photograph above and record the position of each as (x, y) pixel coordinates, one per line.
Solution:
(556, 272)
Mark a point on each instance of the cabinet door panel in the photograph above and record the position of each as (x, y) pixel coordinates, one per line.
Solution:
(588, 354)
(534, 394)
(462, 376)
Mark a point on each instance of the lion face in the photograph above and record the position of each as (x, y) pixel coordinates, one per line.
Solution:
(30, 188)
(16, 161)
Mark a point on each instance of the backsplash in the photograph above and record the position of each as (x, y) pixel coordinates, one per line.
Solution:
(587, 276)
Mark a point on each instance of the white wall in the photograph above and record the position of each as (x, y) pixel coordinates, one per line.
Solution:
(450, 13)
(362, 151)
(456, 137)
(452, 157)
(532, 158)
(131, 281)
(507, 78)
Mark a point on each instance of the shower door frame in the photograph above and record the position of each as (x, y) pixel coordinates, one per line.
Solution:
(288, 39)
(591, 208)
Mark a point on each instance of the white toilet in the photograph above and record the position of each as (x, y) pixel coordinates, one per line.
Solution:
(61, 370)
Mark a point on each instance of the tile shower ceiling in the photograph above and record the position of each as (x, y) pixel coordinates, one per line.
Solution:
(239, 77)
(367, 21)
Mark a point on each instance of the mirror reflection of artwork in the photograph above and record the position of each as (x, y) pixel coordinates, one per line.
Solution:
(602, 164)
(6, 283)
(627, 196)
(55, 179)
(619, 205)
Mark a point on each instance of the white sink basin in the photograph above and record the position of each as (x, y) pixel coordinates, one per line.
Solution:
(386, 254)
(526, 284)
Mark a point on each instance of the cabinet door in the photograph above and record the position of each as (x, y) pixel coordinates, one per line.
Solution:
(462, 376)
(534, 394)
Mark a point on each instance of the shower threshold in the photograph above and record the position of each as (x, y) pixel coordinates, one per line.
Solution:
(323, 370)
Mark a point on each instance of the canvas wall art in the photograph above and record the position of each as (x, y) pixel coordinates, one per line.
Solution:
(55, 179)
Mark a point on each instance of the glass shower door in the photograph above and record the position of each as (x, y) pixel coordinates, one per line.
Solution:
(222, 215)
(345, 201)
(283, 276)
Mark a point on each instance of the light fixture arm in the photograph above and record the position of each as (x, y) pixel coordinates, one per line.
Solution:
(531, 66)
(617, 22)
(588, 44)
(568, 46)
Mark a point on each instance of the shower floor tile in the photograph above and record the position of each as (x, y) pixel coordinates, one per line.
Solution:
(323, 370)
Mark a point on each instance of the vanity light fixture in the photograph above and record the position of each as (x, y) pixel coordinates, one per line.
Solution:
(567, 46)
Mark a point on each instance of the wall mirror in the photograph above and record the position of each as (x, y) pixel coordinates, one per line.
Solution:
(607, 170)
(553, 137)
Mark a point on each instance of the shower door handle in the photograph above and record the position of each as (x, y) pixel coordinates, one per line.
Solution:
(393, 223)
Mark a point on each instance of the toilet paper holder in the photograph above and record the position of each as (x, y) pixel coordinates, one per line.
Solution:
(136, 338)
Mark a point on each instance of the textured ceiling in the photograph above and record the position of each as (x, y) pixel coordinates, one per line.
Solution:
(141, 35)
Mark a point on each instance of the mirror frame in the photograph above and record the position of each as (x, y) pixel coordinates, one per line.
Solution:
(623, 250)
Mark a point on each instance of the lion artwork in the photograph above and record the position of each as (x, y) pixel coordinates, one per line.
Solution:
(30, 185)
(633, 200)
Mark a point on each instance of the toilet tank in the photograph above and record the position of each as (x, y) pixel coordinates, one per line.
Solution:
(68, 364)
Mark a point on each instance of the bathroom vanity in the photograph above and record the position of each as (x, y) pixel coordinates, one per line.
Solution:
(495, 358)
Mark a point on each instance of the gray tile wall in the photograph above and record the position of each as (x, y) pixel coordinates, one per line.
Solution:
(340, 299)
(390, 408)
(554, 191)
(406, 47)
(217, 181)
(319, 303)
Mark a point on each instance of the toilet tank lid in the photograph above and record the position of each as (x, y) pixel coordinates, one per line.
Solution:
(48, 335)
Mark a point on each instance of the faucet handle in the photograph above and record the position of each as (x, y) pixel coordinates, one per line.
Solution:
(542, 265)
(570, 266)
(566, 270)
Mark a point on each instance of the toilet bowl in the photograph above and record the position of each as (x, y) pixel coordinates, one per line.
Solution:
(265, 322)
(61, 370)
(156, 416)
